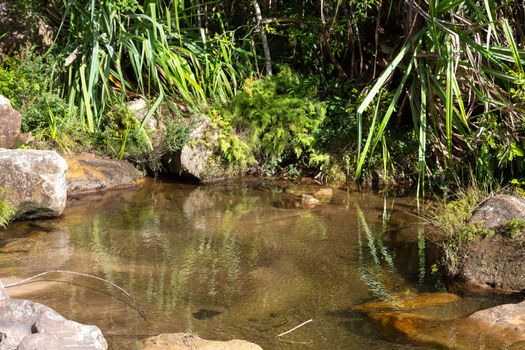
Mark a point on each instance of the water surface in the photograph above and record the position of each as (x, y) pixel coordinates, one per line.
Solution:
(240, 262)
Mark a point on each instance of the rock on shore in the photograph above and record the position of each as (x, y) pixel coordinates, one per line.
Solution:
(89, 173)
(496, 262)
(26, 325)
(34, 182)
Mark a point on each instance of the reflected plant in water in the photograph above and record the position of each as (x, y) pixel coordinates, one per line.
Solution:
(381, 280)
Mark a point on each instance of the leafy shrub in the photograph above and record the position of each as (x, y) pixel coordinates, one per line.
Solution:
(275, 120)
(177, 133)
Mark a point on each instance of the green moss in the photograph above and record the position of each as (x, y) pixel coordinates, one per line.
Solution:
(513, 228)
(470, 232)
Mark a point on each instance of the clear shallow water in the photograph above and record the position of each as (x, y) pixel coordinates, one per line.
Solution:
(227, 263)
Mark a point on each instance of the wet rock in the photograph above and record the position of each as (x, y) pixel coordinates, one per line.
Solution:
(34, 182)
(182, 341)
(89, 173)
(197, 158)
(509, 318)
(11, 121)
(500, 327)
(496, 263)
(32, 326)
(493, 263)
(498, 210)
(309, 201)
(406, 302)
(324, 194)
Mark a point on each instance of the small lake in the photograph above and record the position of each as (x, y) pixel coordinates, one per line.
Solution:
(242, 262)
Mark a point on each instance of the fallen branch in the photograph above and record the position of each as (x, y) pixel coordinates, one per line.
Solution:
(296, 327)
(74, 273)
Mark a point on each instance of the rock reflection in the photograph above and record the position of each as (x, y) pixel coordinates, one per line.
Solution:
(227, 263)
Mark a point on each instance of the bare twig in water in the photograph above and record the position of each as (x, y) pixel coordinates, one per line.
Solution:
(24, 281)
(296, 327)
(74, 273)
(135, 336)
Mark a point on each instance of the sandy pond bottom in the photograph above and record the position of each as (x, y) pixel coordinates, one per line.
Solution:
(227, 263)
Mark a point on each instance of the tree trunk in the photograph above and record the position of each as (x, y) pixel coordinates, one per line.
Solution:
(264, 39)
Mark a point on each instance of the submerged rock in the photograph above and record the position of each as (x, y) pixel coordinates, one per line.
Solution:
(309, 201)
(500, 327)
(34, 182)
(11, 121)
(182, 341)
(27, 325)
(496, 262)
(324, 194)
(89, 173)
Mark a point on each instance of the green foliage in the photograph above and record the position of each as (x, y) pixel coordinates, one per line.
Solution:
(7, 211)
(470, 232)
(121, 134)
(150, 48)
(441, 68)
(513, 228)
(177, 133)
(23, 81)
(273, 120)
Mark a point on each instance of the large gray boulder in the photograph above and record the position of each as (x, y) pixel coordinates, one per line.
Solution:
(496, 262)
(10, 123)
(26, 325)
(182, 341)
(498, 210)
(34, 182)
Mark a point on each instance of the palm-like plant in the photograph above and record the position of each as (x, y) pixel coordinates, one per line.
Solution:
(120, 47)
(459, 62)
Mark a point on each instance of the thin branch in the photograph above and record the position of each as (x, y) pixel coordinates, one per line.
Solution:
(296, 327)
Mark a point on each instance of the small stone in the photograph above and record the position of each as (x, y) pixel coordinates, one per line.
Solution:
(309, 201)
(324, 193)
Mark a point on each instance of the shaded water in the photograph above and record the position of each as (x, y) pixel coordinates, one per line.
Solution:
(227, 263)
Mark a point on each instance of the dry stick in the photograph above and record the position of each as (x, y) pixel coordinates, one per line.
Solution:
(27, 280)
(293, 329)
(24, 281)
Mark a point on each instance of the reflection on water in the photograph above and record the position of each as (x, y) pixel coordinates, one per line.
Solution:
(226, 263)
